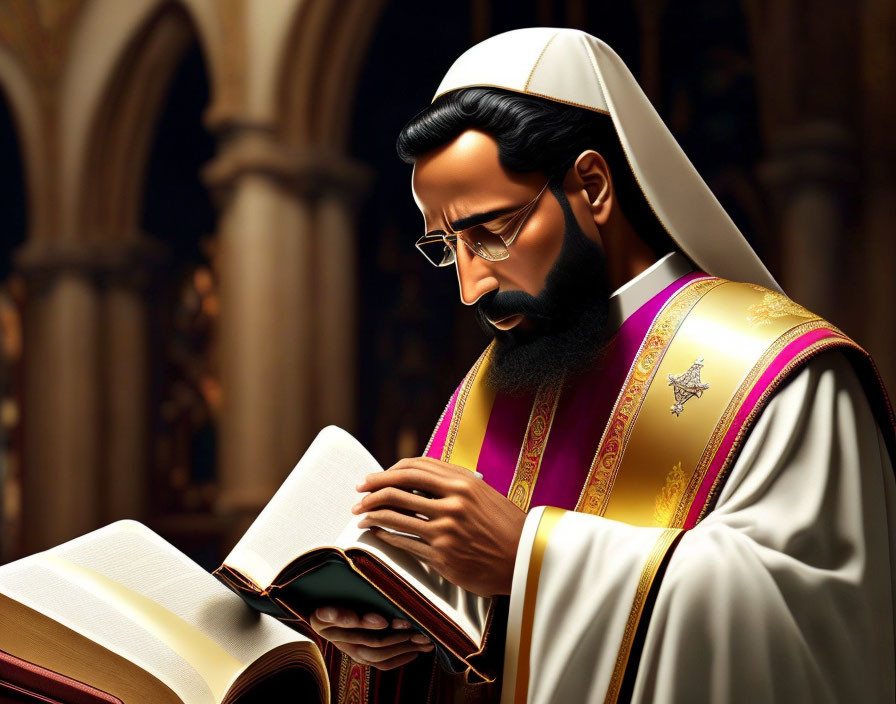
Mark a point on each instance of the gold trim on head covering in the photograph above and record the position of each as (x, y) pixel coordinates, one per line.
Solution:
(571, 67)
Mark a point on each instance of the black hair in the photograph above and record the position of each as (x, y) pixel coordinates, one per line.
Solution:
(534, 134)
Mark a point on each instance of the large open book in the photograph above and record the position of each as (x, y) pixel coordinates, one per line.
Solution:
(121, 615)
(305, 550)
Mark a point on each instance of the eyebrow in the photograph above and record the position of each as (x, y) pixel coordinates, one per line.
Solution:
(479, 218)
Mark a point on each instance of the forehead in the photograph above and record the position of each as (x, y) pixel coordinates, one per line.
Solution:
(465, 170)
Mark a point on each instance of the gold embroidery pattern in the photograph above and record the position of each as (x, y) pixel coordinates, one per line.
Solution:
(728, 416)
(536, 439)
(461, 400)
(774, 305)
(837, 339)
(667, 500)
(354, 682)
(602, 474)
(648, 573)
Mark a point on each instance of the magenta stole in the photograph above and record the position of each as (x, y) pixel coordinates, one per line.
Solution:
(582, 412)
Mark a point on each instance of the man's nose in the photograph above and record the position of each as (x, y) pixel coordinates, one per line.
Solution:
(474, 275)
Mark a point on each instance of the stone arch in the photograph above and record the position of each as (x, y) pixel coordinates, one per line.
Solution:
(121, 130)
(100, 92)
(314, 104)
(29, 124)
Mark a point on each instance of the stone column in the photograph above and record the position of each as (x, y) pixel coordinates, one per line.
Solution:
(811, 174)
(265, 324)
(288, 289)
(128, 273)
(86, 382)
(336, 285)
(62, 473)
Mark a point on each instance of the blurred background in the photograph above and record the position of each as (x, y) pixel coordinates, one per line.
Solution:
(206, 239)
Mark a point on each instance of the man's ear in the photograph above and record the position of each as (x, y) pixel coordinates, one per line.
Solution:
(597, 183)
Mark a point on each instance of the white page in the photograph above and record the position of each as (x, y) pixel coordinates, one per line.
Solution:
(61, 583)
(312, 509)
(309, 510)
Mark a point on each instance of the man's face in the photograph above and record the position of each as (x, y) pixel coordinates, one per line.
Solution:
(546, 303)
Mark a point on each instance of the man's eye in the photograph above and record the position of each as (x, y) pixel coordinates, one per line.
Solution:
(499, 226)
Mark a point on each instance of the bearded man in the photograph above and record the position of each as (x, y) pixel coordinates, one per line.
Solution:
(709, 463)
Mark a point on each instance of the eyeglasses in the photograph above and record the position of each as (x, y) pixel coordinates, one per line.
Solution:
(488, 240)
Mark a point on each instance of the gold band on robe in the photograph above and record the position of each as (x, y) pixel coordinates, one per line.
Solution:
(645, 582)
(546, 524)
(665, 431)
(538, 430)
(470, 417)
(602, 473)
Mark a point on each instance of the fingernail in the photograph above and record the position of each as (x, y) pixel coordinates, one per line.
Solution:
(398, 623)
(356, 508)
(427, 648)
(326, 614)
(419, 638)
(375, 620)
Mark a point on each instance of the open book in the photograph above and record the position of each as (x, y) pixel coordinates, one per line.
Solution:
(121, 615)
(305, 550)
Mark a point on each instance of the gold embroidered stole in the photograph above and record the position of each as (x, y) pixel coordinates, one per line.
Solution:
(709, 363)
(699, 363)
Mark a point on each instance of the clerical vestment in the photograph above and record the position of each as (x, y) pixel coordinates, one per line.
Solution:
(714, 515)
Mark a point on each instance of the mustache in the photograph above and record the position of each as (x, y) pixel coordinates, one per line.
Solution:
(496, 305)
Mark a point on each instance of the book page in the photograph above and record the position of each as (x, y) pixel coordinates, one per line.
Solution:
(469, 611)
(130, 591)
(310, 509)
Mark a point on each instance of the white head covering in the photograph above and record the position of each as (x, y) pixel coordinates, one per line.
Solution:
(573, 67)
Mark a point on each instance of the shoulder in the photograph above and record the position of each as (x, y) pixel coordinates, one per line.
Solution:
(784, 350)
(817, 425)
(823, 382)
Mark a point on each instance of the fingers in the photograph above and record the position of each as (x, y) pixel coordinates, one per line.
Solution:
(418, 548)
(335, 623)
(393, 520)
(396, 499)
(358, 636)
(367, 638)
(430, 464)
(346, 618)
(389, 663)
(426, 477)
(374, 656)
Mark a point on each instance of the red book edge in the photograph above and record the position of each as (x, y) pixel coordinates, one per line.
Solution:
(46, 685)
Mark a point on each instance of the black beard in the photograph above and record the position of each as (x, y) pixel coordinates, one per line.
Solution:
(569, 316)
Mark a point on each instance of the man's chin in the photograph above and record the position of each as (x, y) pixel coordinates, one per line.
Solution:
(526, 358)
(521, 363)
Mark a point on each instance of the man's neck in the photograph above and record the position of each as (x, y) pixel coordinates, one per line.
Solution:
(627, 255)
(635, 292)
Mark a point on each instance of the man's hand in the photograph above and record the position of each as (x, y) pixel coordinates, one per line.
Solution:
(468, 532)
(368, 640)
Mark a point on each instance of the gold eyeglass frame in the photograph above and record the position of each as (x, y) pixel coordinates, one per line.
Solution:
(449, 239)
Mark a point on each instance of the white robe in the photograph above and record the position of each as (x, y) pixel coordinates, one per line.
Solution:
(783, 593)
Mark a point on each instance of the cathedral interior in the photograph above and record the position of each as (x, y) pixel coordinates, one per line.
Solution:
(206, 239)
